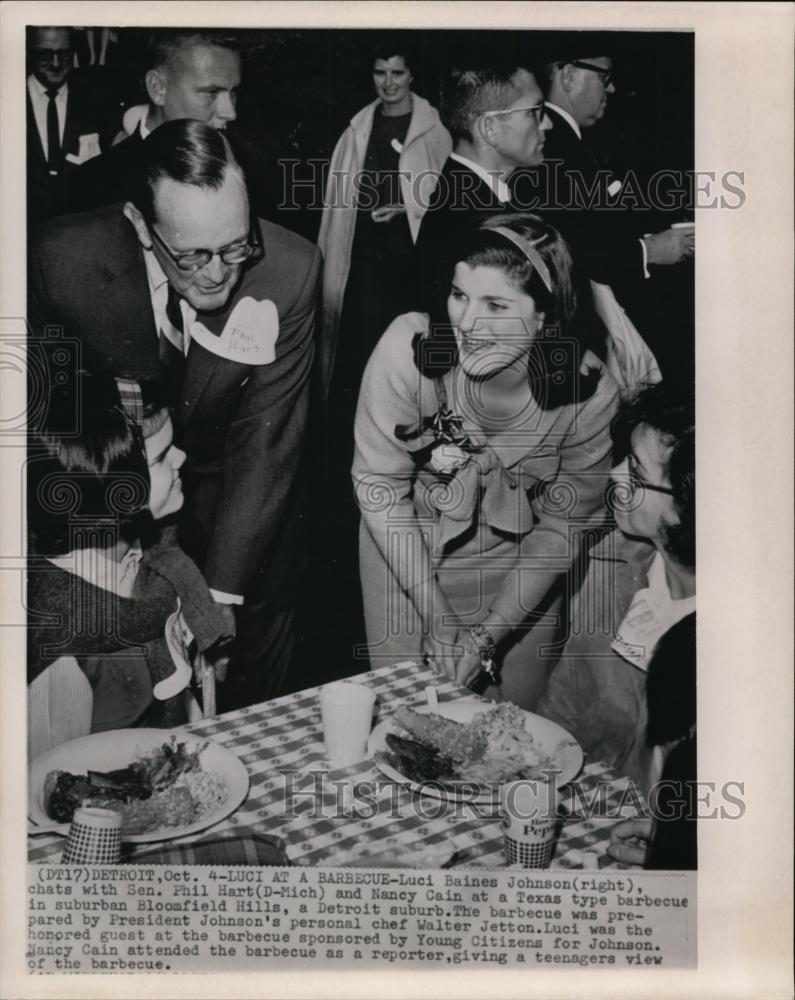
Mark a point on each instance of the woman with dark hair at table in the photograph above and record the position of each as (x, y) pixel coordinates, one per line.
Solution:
(113, 601)
(636, 582)
(482, 449)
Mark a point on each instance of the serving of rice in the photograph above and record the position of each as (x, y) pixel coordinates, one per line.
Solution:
(207, 789)
(191, 796)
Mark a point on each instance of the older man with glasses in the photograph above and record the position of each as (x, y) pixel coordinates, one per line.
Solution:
(182, 282)
(608, 231)
(578, 90)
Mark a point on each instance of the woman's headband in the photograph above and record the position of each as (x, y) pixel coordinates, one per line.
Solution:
(527, 248)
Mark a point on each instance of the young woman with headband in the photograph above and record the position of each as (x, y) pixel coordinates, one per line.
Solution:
(482, 452)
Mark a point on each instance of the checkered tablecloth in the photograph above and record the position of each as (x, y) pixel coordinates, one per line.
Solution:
(323, 816)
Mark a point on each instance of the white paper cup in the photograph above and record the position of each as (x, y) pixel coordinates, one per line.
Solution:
(94, 837)
(347, 713)
(529, 818)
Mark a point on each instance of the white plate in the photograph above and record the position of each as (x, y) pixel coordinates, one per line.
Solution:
(120, 747)
(551, 740)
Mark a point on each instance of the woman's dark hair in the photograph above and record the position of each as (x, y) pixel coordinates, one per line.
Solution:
(670, 412)
(570, 328)
(671, 685)
(396, 45)
(88, 480)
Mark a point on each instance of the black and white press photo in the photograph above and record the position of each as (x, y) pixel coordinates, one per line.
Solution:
(360, 496)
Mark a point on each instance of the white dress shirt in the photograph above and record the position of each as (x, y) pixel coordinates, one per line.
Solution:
(40, 102)
(494, 181)
(567, 118)
(158, 292)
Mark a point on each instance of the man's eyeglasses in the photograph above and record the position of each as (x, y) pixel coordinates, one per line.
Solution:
(50, 55)
(637, 483)
(606, 74)
(192, 260)
(537, 109)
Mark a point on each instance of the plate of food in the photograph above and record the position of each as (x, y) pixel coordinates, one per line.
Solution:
(466, 749)
(163, 786)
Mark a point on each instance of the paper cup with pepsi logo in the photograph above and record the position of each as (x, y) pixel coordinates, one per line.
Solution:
(529, 820)
(94, 837)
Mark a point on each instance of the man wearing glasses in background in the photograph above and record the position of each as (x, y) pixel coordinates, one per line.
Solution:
(577, 96)
(183, 282)
(496, 117)
(68, 122)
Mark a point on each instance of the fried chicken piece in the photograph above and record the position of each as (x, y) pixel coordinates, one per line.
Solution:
(453, 739)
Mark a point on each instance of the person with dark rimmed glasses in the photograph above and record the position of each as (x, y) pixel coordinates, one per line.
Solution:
(182, 281)
(635, 583)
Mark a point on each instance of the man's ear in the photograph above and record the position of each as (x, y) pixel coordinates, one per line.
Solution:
(567, 76)
(139, 224)
(487, 130)
(155, 87)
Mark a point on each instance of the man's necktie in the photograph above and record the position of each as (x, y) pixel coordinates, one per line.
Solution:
(172, 343)
(53, 134)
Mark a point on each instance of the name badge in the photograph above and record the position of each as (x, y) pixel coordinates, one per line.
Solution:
(249, 336)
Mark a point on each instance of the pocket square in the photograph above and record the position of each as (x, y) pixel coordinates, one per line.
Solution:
(88, 149)
(249, 336)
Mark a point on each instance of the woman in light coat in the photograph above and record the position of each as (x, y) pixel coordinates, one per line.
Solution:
(381, 176)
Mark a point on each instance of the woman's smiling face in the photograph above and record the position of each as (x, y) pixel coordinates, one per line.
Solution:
(392, 81)
(495, 322)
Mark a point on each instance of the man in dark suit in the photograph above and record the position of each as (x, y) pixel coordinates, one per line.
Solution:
(496, 118)
(571, 190)
(610, 241)
(67, 122)
(188, 74)
(182, 280)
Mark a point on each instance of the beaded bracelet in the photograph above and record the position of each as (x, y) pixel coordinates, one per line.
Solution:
(483, 643)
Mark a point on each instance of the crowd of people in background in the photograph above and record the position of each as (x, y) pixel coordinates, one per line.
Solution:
(452, 422)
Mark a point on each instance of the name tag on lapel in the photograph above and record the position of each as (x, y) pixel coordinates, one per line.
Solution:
(250, 334)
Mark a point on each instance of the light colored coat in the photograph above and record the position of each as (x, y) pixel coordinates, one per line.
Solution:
(427, 146)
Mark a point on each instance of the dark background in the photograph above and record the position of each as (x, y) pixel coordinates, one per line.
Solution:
(300, 88)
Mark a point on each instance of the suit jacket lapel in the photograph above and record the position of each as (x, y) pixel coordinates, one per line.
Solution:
(71, 129)
(34, 139)
(201, 363)
(199, 369)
